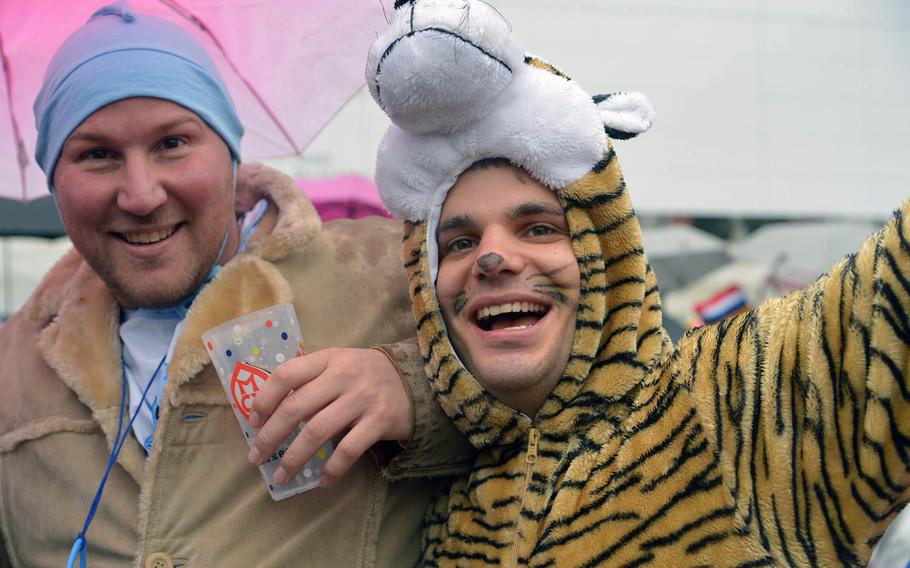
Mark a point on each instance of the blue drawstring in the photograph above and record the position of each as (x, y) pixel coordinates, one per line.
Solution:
(78, 548)
(80, 543)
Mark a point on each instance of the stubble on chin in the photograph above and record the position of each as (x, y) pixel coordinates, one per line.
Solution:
(134, 290)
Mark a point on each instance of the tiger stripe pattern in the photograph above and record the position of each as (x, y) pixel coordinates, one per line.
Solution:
(778, 438)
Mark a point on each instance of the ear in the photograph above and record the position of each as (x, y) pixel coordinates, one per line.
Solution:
(625, 114)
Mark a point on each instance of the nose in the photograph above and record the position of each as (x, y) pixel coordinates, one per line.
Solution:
(141, 190)
(497, 254)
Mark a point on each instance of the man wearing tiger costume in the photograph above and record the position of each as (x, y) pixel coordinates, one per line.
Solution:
(779, 437)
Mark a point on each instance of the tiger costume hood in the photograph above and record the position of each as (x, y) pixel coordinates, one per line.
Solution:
(778, 437)
(510, 105)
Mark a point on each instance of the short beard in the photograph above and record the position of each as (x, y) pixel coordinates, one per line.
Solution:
(152, 295)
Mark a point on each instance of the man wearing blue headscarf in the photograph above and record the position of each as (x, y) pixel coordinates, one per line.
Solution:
(140, 142)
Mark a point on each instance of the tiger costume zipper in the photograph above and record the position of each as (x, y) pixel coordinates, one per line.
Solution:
(530, 460)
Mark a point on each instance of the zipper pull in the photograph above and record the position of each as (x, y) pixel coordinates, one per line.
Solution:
(533, 439)
(530, 460)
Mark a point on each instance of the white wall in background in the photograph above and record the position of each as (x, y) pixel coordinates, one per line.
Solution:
(765, 107)
(23, 262)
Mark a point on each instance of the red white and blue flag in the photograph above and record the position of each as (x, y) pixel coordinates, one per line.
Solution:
(728, 302)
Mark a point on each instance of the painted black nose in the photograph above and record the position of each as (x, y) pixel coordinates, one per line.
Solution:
(489, 261)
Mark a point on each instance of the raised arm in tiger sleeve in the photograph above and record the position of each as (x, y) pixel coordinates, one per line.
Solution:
(806, 402)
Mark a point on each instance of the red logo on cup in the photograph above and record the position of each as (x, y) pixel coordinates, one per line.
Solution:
(245, 383)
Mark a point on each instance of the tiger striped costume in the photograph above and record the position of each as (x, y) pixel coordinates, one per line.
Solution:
(776, 438)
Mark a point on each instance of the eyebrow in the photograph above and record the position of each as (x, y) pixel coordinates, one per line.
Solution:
(94, 136)
(535, 208)
(84, 136)
(455, 222)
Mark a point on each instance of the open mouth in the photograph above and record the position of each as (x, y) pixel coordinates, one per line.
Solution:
(511, 315)
(148, 237)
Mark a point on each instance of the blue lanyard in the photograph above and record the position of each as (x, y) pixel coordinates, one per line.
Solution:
(80, 544)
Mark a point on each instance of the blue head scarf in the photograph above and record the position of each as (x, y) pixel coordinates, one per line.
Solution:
(120, 54)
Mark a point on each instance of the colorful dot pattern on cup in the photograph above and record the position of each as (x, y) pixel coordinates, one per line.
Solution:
(239, 333)
(264, 339)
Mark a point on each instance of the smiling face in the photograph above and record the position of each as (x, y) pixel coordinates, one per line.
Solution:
(144, 188)
(508, 283)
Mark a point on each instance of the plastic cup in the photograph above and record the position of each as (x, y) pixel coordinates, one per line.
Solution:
(245, 351)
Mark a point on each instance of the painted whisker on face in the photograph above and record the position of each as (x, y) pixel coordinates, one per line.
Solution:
(460, 302)
(553, 272)
(561, 293)
(554, 291)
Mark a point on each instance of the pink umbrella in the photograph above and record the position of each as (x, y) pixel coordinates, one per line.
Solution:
(289, 64)
(345, 197)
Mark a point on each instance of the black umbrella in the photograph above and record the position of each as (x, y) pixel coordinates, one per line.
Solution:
(38, 218)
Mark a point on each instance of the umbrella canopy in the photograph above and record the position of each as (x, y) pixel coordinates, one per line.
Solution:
(801, 251)
(774, 260)
(290, 65)
(680, 254)
(344, 197)
(37, 218)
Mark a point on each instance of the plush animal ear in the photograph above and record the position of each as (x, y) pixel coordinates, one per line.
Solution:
(400, 3)
(625, 114)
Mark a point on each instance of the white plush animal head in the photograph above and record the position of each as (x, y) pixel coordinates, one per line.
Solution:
(459, 88)
(441, 64)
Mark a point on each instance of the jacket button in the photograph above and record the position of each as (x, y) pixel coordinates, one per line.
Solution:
(159, 560)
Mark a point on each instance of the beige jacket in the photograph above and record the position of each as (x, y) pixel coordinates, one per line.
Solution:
(195, 501)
